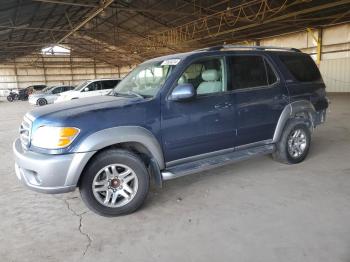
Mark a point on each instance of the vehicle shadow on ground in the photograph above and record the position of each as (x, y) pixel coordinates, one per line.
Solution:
(175, 190)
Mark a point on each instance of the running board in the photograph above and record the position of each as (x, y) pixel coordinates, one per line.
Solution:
(215, 161)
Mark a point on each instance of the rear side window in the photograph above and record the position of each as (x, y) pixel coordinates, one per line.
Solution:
(109, 84)
(301, 67)
(251, 71)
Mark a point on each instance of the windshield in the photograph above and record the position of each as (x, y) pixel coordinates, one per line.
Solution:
(81, 85)
(146, 79)
(47, 89)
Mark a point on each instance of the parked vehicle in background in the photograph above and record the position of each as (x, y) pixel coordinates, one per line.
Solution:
(170, 117)
(6, 92)
(23, 93)
(97, 87)
(35, 88)
(20, 94)
(48, 95)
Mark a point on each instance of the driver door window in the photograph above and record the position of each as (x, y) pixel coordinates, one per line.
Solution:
(95, 86)
(57, 90)
(206, 76)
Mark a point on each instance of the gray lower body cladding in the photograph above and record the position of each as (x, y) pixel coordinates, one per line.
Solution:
(49, 173)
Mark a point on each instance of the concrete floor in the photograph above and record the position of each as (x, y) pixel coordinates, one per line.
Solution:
(256, 210)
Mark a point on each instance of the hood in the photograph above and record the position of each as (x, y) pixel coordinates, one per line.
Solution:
(72, 108)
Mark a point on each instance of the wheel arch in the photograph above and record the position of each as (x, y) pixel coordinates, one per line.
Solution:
(42, 99)
(136, 139)
(303, 110)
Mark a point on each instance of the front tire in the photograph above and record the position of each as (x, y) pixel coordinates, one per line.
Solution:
(42, 102)
(294, 143)
(116, 182)
(10, 98)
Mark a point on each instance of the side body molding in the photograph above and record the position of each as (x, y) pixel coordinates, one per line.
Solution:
(290, 110)
(123, 134)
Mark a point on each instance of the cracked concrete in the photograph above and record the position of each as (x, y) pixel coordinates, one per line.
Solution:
(80, 215)
(256, 210)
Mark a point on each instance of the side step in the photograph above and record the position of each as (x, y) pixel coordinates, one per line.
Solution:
(215, 161)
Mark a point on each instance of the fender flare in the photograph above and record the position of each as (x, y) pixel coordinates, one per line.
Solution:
(123, 134)
(290, 110)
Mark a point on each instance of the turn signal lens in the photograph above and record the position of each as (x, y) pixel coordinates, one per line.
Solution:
(68, 131)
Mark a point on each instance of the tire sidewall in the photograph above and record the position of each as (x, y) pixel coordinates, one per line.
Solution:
(114, 157)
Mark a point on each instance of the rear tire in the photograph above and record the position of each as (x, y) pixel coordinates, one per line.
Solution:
(294, 143)
(115, 183)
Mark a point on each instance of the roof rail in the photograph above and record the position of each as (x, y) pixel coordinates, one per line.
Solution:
(261, 48)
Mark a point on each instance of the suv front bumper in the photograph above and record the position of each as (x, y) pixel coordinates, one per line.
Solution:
(49, 173)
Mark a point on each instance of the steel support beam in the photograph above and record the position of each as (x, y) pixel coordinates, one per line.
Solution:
(86, 20)
(170, 35)
(127, 9)
(318, 39)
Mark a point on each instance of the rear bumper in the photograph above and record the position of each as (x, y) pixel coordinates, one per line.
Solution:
(49, 173)
(319, 117)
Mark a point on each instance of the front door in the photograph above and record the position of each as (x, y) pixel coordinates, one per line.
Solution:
(205, 123)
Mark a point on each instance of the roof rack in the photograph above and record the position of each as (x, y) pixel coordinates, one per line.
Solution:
(260, 48)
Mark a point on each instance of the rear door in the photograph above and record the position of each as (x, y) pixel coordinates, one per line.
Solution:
(259, 99)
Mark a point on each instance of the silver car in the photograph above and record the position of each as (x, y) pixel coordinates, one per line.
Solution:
(48, 95)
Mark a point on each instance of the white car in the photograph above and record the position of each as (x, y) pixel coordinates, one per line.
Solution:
(97, 87)
(48, 95)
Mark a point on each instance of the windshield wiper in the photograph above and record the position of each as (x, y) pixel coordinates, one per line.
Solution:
(135, 94)
(128, 94)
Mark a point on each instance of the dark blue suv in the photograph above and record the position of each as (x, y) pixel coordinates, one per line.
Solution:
(173, 116)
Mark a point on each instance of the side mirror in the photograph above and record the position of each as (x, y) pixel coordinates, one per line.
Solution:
(86, 89)
(183, 92)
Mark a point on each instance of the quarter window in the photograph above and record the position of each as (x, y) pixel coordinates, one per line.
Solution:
(302, 67)
(251, 71)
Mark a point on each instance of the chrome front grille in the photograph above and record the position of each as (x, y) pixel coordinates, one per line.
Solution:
(25, 132)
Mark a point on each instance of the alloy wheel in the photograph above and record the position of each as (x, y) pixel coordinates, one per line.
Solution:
(115, 185)
(297, 143)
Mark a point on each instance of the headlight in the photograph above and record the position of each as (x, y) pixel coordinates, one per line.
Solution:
(52, 137)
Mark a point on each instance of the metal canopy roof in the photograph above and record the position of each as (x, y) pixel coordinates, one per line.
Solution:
(125, 32)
